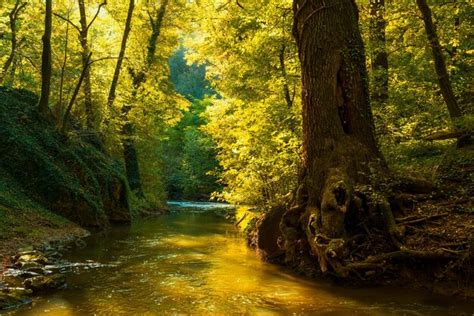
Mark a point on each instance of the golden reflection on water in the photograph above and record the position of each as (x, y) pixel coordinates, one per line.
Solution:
(197, 263)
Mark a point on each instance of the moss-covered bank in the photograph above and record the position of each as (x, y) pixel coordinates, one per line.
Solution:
(51, 184)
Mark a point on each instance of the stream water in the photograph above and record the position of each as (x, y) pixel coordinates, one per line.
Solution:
(194, 261)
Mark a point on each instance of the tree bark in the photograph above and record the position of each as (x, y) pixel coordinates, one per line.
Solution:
(123, 47)
(83, 34)
(340, 152)
(43, 104)
(130, 153)
(13, 17)
(440, 64)
(379, 57)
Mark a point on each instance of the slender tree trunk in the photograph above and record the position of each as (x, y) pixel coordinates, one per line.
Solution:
(75, 93)
(130, 153)
(130, 156)
(340, 152)
(156, 25)
(43, 104)
(286, 87)
(379, 58)
(440, 64)
(13, 17)
(60, 106)
(83, 34)
(123, 47)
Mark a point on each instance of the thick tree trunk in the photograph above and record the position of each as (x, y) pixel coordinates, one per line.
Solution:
(340, 153)
(46, 60)
(379, 57)
(13, 17)
(123, 47)
(130, 153)
(440, 64)
(83, 34)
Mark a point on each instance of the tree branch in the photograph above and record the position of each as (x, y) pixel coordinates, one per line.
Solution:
(68, 21)
(96, 14)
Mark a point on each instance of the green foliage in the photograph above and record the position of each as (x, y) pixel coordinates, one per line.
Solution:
(256, 131)
(415, 107)
(189, 153)
(189, 80)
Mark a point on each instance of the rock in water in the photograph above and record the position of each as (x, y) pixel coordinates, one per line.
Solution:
(13, 297)
(30, 257)
(45, 283)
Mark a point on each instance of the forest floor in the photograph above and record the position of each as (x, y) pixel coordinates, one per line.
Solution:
(29, 228)
(24, 223)
(441, 225)
(443, 221)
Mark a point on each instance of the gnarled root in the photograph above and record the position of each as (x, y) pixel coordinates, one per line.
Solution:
(325, 227)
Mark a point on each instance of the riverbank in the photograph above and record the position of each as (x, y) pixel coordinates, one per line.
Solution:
(53, 184)
(24, 228)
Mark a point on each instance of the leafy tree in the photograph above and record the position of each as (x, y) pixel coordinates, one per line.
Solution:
(190, 156)
(13, 17)
(252, 65)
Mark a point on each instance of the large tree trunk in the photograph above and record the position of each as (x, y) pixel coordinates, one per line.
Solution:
(46, 60)
(13, 17)
(340, 153)
(130, 153)
(379, 57)
(440, 64)
(86, 86)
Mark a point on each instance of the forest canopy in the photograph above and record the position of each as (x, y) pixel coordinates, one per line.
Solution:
(203, 98)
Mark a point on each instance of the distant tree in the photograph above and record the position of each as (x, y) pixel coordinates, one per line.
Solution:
(13, 17)
(439, 61)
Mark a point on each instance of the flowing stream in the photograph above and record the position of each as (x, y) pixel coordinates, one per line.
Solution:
(194, 261)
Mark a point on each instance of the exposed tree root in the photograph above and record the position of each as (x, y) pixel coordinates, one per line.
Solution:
(410, 220)
(352, 233)
(440, 254)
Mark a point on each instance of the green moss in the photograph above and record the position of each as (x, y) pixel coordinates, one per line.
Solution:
(67, 175)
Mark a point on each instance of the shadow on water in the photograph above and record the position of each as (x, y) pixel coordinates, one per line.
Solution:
(193, 261)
